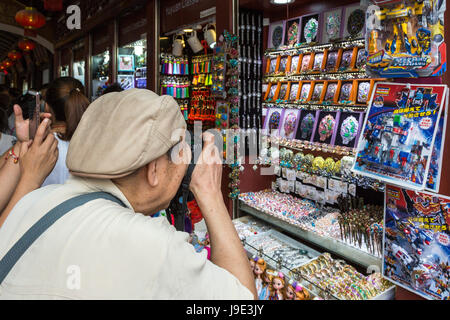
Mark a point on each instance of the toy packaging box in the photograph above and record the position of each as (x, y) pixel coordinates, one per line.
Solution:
(406, 38)
(434, 173)
(399, 131)
(417, 242)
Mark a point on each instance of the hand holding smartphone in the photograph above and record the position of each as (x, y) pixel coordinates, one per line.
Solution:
(34, 114)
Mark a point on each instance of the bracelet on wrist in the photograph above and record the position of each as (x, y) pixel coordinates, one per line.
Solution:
(11, 154)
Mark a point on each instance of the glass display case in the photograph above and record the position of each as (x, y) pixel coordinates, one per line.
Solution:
(100, 73)
(132, 65)
(308, 267)
(79, 71)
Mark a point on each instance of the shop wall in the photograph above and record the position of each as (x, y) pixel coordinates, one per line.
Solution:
(177, 13)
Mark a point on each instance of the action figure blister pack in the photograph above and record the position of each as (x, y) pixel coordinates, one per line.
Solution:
(406, 38)
(399, 133)
(417, 242)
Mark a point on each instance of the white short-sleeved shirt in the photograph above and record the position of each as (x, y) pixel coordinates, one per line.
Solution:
(104, 251)
(60, 173)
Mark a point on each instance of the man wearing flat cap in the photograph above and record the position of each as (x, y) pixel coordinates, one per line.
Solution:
(112, 248)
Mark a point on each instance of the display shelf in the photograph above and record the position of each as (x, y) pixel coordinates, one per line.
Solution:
(312, 106)
(315, 47)
(350, 253)
(344, 75)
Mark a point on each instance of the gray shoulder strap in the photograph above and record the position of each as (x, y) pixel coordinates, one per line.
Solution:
(19, 248)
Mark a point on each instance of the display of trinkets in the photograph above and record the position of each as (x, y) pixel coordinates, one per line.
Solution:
(326, 127)
(304, 93)
(292, 36)
(345, 94)
(306, 63)
(317, 93)
(363, 92)
(171, 65)
(294, 64)
(343, 280)
(310, 28)
(290, 123)
(361, 224)
(332, 25)
(318, 59)
(331, 92)
(346, 60)
(293, 92)
(332, 59)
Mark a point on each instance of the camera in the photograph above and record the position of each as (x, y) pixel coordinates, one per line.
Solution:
(177, 212)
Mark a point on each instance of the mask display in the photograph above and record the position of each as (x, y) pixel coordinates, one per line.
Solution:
(326, 127)
(349, 129)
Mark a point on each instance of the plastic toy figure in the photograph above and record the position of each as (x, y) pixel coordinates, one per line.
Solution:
(402, 256)
(278, 284)
(258, 270)
(267, 288)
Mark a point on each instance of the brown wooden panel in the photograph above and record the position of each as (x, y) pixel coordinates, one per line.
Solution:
(102, 39)
(132, 26)
(177, 13)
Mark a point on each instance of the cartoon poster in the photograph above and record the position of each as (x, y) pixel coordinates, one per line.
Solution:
(399, 133)
(417, 242)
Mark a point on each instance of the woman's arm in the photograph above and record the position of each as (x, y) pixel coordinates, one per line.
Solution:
(36, 162)
(9, 176)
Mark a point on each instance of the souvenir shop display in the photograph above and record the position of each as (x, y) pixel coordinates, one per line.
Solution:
(272, 123)
(250, 77)
(360, 227)
(316, 96)
(276, 34)
(399, 133)
(346, 92)
(343, 280)
(349, 128)
(292, 36)
(307, 122)
(332, 25)
(354, 21)
(294, 65)
(326, 127)
(332, 59)
(310, 28)
(416, 252)
(289, 123)
(406, 39)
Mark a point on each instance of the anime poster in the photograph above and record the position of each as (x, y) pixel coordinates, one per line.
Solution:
(399, 132)
(417, 242)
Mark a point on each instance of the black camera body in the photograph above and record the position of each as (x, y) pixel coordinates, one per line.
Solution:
(178, 209)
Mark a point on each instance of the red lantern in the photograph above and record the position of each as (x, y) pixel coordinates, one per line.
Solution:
(26, 45)
(30, 19)
(7, 63)
(53, 5)
(14, 55)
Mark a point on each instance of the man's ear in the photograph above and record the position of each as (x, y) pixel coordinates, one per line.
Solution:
(152, 177)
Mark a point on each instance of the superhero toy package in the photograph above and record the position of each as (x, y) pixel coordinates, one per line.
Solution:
(406, 38)
(434, 173)
(417, 242)
(399, 131)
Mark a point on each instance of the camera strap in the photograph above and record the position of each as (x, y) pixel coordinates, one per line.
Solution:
(178, 207)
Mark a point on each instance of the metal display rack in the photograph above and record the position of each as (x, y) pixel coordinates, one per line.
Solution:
(349, 253)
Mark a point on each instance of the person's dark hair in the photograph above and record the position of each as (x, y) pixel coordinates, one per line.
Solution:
(115, 87)
(5, 101)
(66, 97)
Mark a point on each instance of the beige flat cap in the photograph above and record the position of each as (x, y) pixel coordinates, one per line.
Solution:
(121, 132)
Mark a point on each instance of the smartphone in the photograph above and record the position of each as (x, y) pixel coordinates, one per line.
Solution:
(34, 114)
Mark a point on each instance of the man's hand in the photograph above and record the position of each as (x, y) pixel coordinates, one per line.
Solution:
(39, 159)
(23, 126)
(207, 176)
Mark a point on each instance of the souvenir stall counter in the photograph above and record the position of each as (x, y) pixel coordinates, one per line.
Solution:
(337, 131)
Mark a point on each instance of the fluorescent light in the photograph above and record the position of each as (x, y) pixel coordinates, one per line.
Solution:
(281, 1)
(188, 30)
